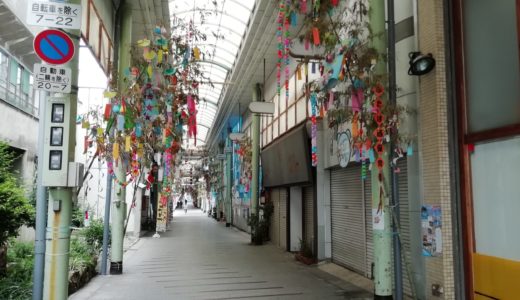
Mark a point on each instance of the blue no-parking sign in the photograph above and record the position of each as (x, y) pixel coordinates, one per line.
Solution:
(54, 46)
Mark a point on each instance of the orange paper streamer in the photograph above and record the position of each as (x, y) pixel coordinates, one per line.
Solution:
(316, 36)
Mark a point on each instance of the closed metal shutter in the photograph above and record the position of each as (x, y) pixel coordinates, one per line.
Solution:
(275, 219)
(308, 218)
(283, 218)
(348, 216)
(404, 214)
(368, 225)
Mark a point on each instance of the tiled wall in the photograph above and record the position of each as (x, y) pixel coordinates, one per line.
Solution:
(434, 142)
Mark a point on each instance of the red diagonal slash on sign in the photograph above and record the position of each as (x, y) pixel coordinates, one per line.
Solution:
(54, 46)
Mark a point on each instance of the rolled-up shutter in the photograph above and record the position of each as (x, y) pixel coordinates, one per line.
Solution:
(368, 226)
(308, 218)
(404, 215)
(283, 218)
(348, 216)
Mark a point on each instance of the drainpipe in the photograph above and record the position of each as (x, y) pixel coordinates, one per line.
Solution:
(392, 98)
(119, 205)
(56, 283)
(41, 210)
(382, 237)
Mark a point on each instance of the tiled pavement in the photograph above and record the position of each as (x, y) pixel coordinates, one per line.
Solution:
(199, 258)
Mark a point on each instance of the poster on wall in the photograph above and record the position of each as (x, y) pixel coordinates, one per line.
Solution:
(378, 219)
(162, 214)
(431, 232)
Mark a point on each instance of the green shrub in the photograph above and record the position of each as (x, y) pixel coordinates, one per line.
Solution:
(81, 254)
(18, 282)
(77, 217)
(15, 208)
(93, 234)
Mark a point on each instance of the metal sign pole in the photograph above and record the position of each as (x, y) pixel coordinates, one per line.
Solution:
(60, 174)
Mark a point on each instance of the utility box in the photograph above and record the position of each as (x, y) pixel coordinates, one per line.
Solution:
(76, 172)
(57, 122)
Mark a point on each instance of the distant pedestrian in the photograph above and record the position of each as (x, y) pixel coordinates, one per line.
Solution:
(185, 206)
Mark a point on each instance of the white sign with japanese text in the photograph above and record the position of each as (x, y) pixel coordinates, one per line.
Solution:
(52, 78)
(54, 14)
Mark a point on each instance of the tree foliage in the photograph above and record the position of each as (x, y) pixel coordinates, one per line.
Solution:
(15, 208)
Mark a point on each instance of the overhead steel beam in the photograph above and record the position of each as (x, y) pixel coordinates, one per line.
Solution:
(210, 10)
(214, 45)
(255, 44)
(219, 26)
(212, 62)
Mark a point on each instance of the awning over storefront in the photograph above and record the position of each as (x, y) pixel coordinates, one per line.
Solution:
(287, 161)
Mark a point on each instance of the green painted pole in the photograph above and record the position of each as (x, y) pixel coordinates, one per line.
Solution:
(229, 211)
(56, 284)
(221, 193)
(57, 244)
(383, 234)
(255, 128)
(118, 217)
(119, 205)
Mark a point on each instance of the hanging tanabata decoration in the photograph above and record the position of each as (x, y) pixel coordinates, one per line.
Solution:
(314, 130)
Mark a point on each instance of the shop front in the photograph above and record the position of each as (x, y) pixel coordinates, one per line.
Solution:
(487, 42)
(287, 175)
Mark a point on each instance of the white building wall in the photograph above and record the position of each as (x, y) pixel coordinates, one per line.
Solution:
(92, 83)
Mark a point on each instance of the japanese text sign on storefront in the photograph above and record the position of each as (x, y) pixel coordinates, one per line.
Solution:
(52, 78)
(54, 14)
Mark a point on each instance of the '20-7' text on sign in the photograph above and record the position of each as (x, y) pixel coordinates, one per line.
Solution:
(52, 78)
(54, 14)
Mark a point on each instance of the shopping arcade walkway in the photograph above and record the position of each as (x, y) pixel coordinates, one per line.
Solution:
(199, 258)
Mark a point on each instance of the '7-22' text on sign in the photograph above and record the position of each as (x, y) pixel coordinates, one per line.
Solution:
(54, 14)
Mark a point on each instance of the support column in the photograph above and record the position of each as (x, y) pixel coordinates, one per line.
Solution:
(119, 205)
(118, 219)
(56, 285)
(323, 208)
(383, 236)
(255, 126)
(56, 281)
(229, 182)
(106, 226)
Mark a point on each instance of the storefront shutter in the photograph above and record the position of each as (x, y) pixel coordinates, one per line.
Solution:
(308, 218)
(283, 218)
(368, 225)
(404, 214)
(275, 219)
(347, 213)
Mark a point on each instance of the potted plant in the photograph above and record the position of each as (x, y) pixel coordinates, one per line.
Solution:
(305, 254)
(260, 224)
